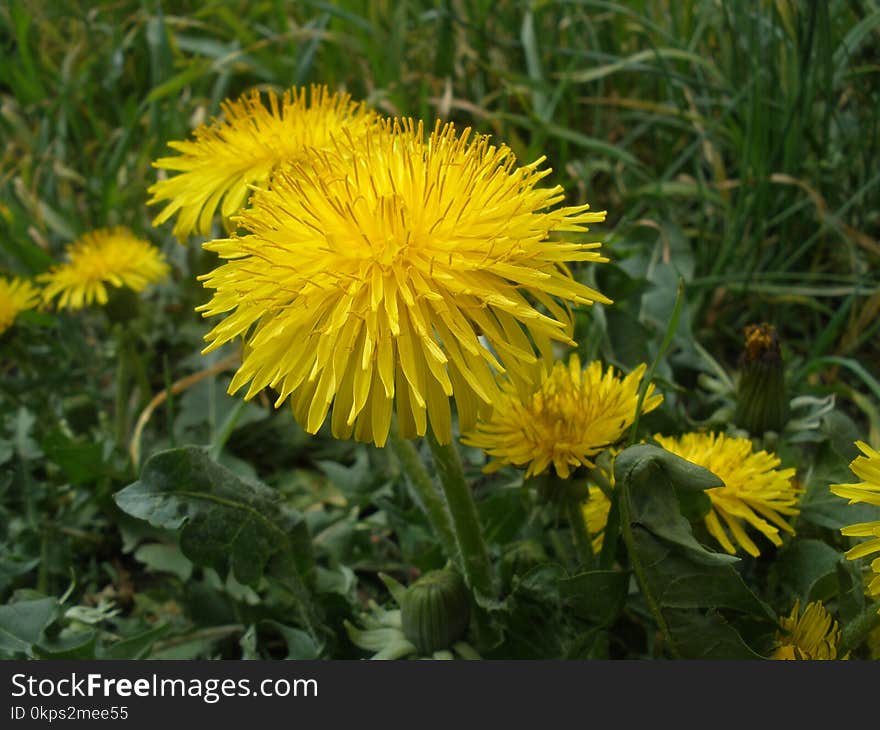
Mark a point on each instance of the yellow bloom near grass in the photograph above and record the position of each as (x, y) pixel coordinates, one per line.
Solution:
(16, 296)
(107, 257)
(812, 634)
(756, 493)
(398, 272)
(564, 417)
(866, 466)
(224, 157)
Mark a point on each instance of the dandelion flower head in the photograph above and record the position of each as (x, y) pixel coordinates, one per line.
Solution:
(107, 257)
(811, 635)
(565, 417)
(224, 157)
(755, 494)
(366, 278)
(866, 466)
(16, 296)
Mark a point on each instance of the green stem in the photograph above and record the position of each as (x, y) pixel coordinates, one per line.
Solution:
(639, 569)
(426, 493)
(580, 533)
(120, 403)
(465, 521)
(857, 630)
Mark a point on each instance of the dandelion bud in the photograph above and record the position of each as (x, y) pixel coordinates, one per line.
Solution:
(762, 402)
(435, 611)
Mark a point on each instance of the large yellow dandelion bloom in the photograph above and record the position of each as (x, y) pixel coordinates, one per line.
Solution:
(866, 466)
(245, 147)
(16, 296)
(102, 258)
(565, 416)
(369, 285)
(811, 635)
(755, 492)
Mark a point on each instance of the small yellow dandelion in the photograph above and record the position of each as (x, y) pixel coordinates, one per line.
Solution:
(755, 492)
(812, 635)
(226, 157)
(596, 510)
(98, 259)
(16, 296)
(366, 279)
(866, 466)
(564, 417)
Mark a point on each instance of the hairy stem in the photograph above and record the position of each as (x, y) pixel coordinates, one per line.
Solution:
(426, 493)
(465, 521)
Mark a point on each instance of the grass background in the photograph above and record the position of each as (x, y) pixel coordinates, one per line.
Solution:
(737, 140)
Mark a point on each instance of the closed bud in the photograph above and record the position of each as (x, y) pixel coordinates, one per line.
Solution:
(761, 398)
(435, 611)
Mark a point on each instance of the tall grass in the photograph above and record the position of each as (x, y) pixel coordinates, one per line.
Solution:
(737, 141)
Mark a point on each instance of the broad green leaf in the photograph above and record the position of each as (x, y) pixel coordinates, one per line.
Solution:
(596, 596)
(161, 558)
(225, 521)
(677, 580)
(134, 647)
(706, 636)
(653, 475)
(22, 624)
(80, 645)
(804, 562)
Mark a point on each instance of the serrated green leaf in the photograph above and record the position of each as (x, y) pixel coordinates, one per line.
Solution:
(225, 520)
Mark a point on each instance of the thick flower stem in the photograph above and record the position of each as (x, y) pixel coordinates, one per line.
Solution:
(431, 500)
(639, 570)
(465, 521)
(579, 532)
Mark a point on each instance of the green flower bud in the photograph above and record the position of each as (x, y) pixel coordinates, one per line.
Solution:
(435, 611)
(762, 401)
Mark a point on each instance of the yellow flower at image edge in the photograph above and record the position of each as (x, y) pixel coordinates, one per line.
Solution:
(811, 635)
(866, 466)
(399, 273)
(106, 257)
(563, 417)
(755, 492)
(16, 296)
(245, 147)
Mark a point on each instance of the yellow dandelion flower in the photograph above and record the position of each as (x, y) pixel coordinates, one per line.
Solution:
(813, 635)
(16, 296)
(755, 492)
(866, 466)
(102, 258)
(226, 156)
(369, 286)
(596, 510)
(564, 417)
